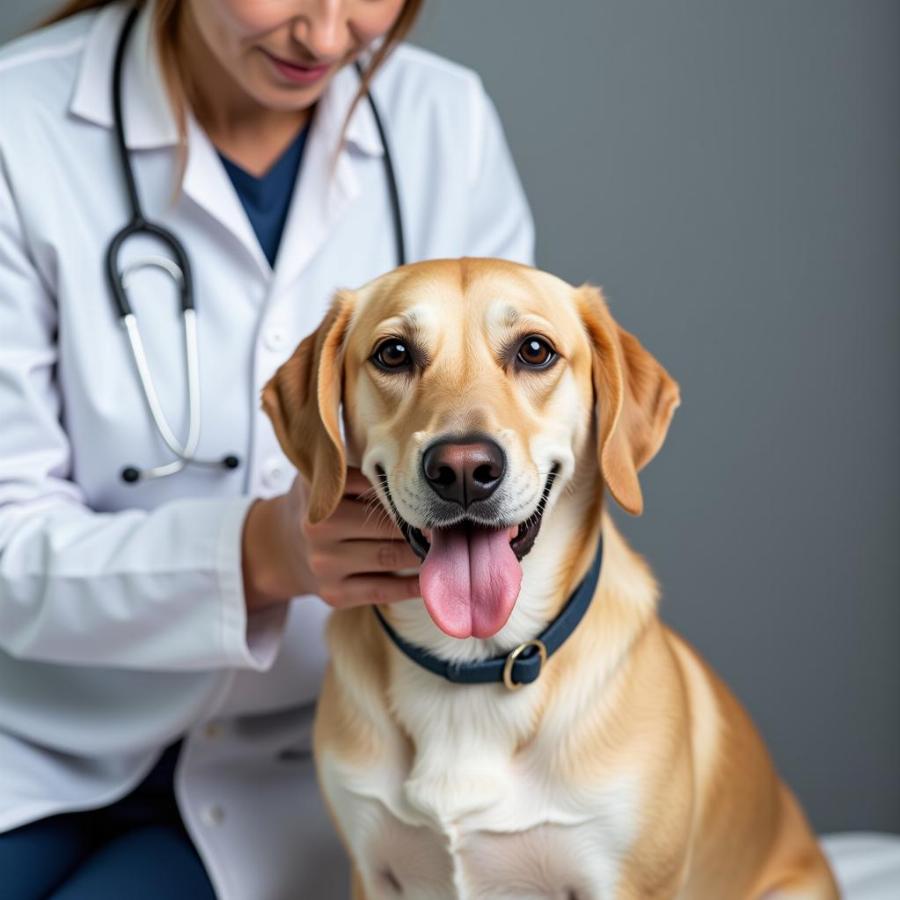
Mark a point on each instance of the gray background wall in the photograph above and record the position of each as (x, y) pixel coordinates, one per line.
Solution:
(729, 170)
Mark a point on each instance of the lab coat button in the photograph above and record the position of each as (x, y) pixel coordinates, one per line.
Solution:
(275, 338)
(212, 815)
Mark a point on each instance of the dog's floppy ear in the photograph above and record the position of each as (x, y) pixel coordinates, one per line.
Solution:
(303, 400)
(635, 399)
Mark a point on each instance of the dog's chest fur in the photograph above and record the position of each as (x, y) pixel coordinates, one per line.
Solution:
(403, 853)
(468, 813)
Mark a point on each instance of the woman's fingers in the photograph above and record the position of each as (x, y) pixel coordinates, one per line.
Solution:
(356, 519)
(355, 553)
(381, 556)
(333, 564)
(362, 590)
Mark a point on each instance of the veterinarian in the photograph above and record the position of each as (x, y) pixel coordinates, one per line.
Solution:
(161, 611)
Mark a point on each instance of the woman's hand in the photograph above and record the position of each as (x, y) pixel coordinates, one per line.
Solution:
(347, 559)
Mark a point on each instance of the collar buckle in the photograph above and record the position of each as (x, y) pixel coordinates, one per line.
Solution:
(514, 655)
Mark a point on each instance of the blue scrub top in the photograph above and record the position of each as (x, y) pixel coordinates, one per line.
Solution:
(266, 199)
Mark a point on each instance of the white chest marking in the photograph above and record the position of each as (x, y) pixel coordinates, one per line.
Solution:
(531, 839)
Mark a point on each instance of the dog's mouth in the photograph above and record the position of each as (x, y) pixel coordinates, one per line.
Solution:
(471, 572)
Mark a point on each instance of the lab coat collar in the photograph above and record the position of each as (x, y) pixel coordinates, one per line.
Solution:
(327, 182)
(331, 112)
(149, 119)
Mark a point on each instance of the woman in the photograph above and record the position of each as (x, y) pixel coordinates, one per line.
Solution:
(142, 613)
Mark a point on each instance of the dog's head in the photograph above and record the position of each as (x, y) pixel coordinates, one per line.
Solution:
(472, 390)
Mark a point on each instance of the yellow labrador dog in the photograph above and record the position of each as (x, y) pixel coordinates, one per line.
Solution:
(529, 728)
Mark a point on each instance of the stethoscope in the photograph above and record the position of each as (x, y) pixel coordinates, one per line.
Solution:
(179, 269)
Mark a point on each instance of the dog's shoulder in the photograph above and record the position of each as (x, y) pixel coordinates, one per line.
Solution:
(352, 713)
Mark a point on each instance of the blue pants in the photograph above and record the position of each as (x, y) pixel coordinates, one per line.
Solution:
(136, 848)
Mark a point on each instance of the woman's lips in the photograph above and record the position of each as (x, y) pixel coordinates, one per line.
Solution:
(296, 73)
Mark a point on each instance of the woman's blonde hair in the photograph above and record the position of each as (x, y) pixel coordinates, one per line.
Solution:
(165, 26)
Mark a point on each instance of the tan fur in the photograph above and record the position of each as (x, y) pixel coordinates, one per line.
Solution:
(628, 769)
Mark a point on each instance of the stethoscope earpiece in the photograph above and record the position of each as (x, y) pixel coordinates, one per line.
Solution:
(131, 475)
(231, 461)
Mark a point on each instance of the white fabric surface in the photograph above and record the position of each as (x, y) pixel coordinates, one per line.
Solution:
(866, 865)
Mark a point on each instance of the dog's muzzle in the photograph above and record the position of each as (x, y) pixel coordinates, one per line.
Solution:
(471, 573)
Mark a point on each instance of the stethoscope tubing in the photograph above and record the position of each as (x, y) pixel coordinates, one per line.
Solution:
(179, 269)
(389, 174)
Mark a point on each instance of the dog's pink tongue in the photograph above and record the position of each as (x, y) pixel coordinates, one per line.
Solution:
(470, 580)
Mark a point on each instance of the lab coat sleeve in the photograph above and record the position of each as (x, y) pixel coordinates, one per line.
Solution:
(500, 221)
(158, 590)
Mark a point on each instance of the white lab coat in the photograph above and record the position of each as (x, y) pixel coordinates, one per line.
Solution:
(122, 620)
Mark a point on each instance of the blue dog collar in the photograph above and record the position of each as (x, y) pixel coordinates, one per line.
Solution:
(522, 665)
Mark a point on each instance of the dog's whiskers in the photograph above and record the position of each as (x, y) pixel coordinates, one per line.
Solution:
(377, 513)
(375, 508)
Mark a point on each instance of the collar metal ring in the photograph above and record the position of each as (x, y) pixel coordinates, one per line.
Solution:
(514, 655)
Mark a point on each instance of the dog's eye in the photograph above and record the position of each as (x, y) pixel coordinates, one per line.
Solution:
(536, 353)
(392, 355)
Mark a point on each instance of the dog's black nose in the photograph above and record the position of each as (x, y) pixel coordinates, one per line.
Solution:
(464, 470)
